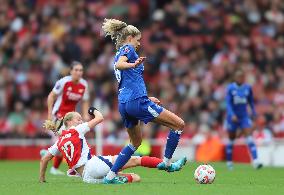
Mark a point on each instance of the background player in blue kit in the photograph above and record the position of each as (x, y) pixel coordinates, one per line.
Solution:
(134, 104)
(238, 96)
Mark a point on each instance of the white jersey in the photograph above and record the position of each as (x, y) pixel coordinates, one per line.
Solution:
(73, 146)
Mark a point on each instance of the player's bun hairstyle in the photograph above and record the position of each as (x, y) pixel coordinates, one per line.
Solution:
(119, 31)
(56, 125)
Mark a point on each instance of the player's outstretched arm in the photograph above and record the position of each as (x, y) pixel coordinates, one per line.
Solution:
(85, 106)
(98, 117)
(50, 102)
(123, 64)
(43, 165)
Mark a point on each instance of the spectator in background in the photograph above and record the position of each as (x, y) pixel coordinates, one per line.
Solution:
(210, 147)
(262, 134)
(211, 39)
(16, 120)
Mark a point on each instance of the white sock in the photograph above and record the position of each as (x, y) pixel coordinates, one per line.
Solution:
(110, 175)
(167, 161)
(255, 162)
(229, 163)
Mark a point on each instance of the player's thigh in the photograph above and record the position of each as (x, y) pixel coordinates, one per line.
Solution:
(95, 168)
(169, 119)
(232, 135)
(143, 109)
(134, 161)
(246, 126)
(128, 121)
(135, 135)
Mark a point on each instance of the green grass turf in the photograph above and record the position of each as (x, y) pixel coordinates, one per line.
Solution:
(22, 178)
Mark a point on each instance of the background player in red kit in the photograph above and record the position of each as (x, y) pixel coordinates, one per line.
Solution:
(63, 98)
(73, 146)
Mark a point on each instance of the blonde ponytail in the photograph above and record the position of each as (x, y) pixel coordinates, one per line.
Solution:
(52, 125)
(56, 125)
(119, 31)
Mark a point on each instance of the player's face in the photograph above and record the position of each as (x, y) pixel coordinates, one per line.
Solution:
(135, 41)
(77, 72)
(77, 119)
(240, 78)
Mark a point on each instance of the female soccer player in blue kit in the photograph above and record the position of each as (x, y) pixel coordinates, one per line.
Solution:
(238, 96)
(134, 104)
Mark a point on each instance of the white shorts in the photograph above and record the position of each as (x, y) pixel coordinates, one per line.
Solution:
(96, 169)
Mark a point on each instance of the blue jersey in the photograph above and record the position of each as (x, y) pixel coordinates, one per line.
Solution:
(237, 99)
(130, 81)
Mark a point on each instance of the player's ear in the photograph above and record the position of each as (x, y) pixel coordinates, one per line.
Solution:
(129, 38)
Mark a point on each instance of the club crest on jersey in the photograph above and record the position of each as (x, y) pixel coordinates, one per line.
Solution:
(126, 50)
(69, 88)
(234, 92)
(246, 92)
(81, 90)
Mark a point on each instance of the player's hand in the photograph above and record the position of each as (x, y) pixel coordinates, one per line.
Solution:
(253, 116)
(139, 61)
(155, 100)
(92, 110)
(234, 118)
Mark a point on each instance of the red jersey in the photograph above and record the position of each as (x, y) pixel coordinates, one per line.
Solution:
(69, 94)
(73, 146)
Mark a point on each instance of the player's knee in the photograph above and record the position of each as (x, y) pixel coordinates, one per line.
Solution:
(232, 136)
(180, 125)
(136, 143)
(137, 160)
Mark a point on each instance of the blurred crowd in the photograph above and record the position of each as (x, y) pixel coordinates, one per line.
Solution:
(192, 47)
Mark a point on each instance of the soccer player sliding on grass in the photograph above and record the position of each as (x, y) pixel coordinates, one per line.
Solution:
(133, 102)
(64, 97)
(73, 146)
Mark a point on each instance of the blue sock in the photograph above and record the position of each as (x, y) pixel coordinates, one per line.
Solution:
(123, 157)
(229, 150)
(252, 147)
(172, 142)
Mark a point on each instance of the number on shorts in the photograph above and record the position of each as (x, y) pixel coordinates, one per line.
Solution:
(65, 150)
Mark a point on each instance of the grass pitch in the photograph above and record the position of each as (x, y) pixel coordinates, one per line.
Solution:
(22, 178)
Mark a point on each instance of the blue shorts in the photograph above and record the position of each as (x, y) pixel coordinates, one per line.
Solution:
(241, 123)
(142, 109)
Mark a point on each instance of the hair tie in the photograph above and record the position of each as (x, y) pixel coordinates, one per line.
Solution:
(60, 125)
(121, 28)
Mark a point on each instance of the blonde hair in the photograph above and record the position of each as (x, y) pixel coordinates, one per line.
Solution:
(119, 31)
(56, 125)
